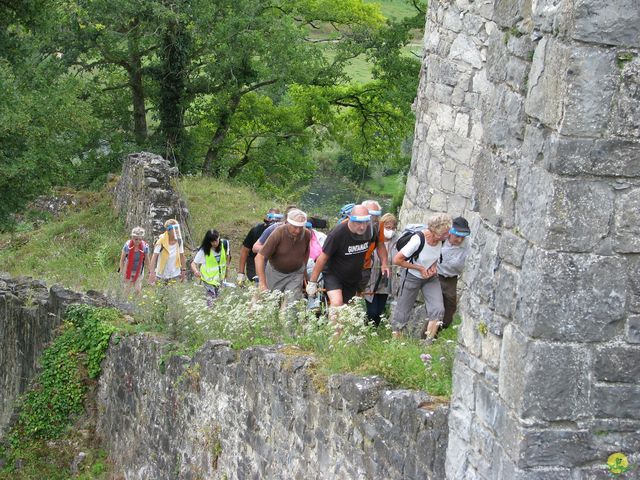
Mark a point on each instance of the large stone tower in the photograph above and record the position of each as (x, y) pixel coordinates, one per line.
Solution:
(528, 122)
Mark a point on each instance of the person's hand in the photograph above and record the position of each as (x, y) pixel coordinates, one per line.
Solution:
(241, 278)
(152, 277)
(312, 289)
(386, 271)
(263, 287)
(197, 274)
(432, 271)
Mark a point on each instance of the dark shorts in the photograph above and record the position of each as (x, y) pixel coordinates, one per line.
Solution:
(332, 282)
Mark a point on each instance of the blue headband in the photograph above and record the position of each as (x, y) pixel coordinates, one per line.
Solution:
(275, 216)
(360, 218)
(459, 234)
(171, 227)
(375, 213)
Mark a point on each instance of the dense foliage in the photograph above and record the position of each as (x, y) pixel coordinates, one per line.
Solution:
(59, 389)
(231, 88)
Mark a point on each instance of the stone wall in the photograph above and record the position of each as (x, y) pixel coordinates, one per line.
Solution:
(528, 122)
(259, 413)
(144, 195)
(29, 315)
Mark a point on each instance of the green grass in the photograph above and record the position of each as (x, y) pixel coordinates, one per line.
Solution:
(394, 9)
(230, 208)
(81, 249)
(387, 186)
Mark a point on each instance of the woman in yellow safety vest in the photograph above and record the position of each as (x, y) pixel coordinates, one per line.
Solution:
(210, 263)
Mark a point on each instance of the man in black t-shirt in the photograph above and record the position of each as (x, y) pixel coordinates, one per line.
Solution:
(246, 267)
(343, 256)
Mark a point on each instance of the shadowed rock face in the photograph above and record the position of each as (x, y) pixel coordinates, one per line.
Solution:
(258, 414)
(145, 197)
(29, 316)
(528, 124)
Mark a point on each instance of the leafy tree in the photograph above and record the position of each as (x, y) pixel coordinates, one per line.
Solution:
(44, 124)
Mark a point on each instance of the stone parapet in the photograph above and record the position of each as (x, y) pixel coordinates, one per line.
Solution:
(30, 313)
(259, 413)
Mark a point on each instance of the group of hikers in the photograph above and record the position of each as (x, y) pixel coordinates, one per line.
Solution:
(363, 255)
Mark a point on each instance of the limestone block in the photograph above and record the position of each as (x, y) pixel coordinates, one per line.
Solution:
(574, 156)
(512, 248)
(537, 378)
(617, 401)
(509, 12)
(548, 14)
(444, 115)
(438, 202)
(627, 222)
(452, 20)
(571, 88)
(633, 329)
(555, 448)
(572, 215)
(625, 116)
(521, 46)
(461, 125)
(504, 117)
(480, 83)
(463, 390)
(457, 458)
(465, 50)
(490, 345)
(474, 25)
(489, 186)
(507, 280)
(612, 23)
(571, 297)
(442, 71)
(621, 435)
(482, 263)
(617, 364)
(468, 335)
(457, 205)
(448, 182)
(458, 148)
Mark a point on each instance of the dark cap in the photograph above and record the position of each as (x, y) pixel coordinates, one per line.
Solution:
(460, 227)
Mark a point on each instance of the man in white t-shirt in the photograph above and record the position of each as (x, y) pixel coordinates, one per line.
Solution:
(421, 275)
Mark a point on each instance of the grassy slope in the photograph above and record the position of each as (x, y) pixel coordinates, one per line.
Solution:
(230, 208)
(79, 250)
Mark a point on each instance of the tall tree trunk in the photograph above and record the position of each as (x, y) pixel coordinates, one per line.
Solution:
(213, 153)
(172, 80)
(135, 84)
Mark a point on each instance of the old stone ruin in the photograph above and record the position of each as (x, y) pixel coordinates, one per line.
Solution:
(145, 196)
(528, 123)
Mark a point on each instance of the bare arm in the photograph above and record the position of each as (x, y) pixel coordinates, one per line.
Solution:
(262, 279)
(121, 267)
(381, 250)
(401, 261)
(152, 269)
(321, 261)
(195, 269)
(244, 254)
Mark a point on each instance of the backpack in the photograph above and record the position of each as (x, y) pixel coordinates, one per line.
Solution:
(345, 211)
(411, 230)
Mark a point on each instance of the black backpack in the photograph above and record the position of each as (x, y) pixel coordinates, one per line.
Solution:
(407, 233)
